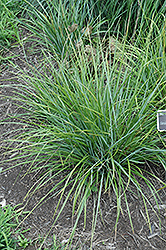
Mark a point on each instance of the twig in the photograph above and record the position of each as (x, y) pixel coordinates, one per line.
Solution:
(134, 239)
(161, 238)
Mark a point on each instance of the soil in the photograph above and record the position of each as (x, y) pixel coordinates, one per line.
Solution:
(15, 183)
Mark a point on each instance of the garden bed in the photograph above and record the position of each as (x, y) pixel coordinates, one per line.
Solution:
(129, 217)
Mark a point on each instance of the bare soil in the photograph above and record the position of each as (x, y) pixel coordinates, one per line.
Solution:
(14, 185)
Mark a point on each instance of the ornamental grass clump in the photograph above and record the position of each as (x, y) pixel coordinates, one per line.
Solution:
(56, 24)
(50, 20)
(92, 130)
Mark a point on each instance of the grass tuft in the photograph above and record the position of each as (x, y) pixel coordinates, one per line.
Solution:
(93, 126)
(90, 122)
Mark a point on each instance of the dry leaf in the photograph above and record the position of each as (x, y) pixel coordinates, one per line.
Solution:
(79, 44)
(89, 50)
(87, 30)
(113, 43)
(73, 27)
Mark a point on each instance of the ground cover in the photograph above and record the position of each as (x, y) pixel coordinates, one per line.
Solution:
(87, 126)
(8, 24)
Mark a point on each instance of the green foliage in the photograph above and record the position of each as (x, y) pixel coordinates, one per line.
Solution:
(6, 224)
(125, 17)
(23, 242)
(59, 24)
(10, 236)
(8, 23)
(93, 123)
(129, 16)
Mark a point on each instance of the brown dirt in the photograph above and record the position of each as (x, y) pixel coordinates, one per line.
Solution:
(14, 185)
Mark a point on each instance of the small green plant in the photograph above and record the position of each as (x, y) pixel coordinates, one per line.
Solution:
(23, 242)
(7, 223)
(8, 22)
(11, 238)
